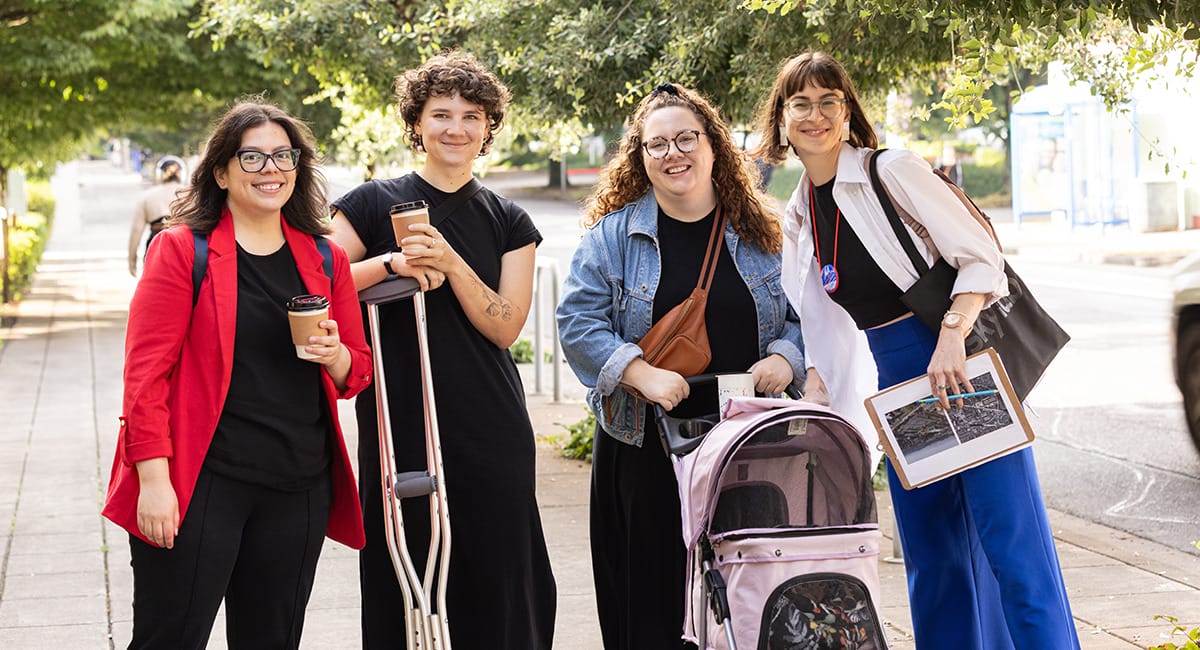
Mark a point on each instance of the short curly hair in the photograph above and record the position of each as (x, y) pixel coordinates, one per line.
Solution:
(624, 180)
(445, 75)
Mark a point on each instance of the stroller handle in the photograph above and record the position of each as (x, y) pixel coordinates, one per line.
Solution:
(682, 435)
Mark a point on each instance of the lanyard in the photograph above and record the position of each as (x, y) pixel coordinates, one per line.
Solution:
(829, 274)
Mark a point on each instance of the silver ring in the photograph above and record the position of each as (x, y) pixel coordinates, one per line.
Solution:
(942, 387)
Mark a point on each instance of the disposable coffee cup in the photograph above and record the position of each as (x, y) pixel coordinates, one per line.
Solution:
(304, 315)
(739, 384)
(405, 214)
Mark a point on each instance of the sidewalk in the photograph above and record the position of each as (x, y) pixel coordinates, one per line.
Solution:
(64, 576)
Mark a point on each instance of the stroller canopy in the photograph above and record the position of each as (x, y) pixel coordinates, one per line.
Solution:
(773, 464)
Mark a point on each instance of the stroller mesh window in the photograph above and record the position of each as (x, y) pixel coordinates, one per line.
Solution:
(758, 505)
(827, 611)
(800, 472)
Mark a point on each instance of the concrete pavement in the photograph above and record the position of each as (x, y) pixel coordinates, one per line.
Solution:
(64, 576)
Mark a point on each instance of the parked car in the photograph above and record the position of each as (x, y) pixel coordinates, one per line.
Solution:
(1185, 332)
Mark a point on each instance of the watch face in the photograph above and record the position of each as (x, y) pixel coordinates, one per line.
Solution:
(952, 320)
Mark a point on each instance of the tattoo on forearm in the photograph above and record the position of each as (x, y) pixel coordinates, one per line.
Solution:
(497, 306)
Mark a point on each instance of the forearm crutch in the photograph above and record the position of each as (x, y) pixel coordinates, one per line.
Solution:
(426, 621)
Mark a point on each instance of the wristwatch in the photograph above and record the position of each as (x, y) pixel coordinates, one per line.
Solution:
(954, 320)
(387, 264)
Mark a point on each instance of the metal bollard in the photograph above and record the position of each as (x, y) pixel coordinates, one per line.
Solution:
(550, 267)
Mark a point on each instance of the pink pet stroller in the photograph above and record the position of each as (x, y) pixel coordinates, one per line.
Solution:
(780, 527)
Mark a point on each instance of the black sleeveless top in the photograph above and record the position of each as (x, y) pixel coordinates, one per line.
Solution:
(863, 289)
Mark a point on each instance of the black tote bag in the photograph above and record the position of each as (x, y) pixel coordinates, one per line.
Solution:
(1022, 333)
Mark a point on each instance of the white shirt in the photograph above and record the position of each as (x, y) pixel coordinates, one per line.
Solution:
(833, 344)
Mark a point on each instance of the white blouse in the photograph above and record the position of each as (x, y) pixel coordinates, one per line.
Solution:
(832, 342)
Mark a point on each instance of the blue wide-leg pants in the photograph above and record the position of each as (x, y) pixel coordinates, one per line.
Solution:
(982, 569)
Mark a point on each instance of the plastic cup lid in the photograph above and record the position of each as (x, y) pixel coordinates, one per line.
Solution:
(419, 204)
(307, 302)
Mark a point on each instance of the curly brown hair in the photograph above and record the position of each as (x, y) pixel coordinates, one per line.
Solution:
(797, 73)
(445, 75)
(201, 203)
(624, 179)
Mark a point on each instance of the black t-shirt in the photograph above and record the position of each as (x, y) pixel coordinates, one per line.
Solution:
(274, 429)
(863, 289)
(493, 433)
(730, 315)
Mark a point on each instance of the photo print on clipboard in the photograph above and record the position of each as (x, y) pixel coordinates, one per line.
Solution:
(926, 443)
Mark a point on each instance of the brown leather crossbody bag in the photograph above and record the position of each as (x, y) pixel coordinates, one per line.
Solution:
(679, 340)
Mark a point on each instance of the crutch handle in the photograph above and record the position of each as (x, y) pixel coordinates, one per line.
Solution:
(389, 291)
(415, 484)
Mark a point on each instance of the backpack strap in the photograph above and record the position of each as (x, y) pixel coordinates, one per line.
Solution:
(326, 256)
(200, 261)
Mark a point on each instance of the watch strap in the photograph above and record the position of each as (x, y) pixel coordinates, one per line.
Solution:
(387, 265)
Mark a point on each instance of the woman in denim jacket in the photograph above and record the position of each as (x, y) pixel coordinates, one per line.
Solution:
(649, 221)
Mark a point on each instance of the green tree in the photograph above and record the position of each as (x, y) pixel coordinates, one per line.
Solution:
(575, 65)
(70, 69)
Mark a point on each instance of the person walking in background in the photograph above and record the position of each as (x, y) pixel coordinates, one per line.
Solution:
(678, 175)
(154, 206)
(500, 592)
(981, 563)
(230, 465)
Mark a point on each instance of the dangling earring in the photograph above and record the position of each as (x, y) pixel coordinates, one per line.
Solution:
(783, 139)
(420, 145)
(846, 131)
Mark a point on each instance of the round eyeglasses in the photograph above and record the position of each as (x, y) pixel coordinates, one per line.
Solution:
(253, 161)
(685, 142)
(800, 110)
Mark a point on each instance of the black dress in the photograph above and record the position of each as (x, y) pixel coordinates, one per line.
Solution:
(501, 591)
(639, 561)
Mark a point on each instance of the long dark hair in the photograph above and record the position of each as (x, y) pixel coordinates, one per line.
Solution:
(201, 204)
(797, 73)
(625, 180)
(447, 74)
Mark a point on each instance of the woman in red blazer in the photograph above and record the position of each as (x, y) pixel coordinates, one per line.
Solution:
(230, 465)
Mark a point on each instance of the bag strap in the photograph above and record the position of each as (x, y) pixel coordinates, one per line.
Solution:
(713, 254)
(200, 260)
(893, 217)
(199, 263)
(446, 208)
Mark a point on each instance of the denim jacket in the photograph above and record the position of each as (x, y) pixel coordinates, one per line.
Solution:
(608, 302)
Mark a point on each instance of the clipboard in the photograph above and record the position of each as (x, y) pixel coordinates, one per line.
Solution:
(926, 443)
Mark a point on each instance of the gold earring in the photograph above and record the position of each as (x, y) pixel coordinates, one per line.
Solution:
(783, 139)
(846, 131)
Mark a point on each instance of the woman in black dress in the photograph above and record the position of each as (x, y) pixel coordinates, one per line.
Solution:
(501, 591)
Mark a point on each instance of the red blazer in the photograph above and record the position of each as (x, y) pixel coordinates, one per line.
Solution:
(178, 363)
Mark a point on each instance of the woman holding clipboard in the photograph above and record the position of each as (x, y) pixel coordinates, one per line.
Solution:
(982, 568)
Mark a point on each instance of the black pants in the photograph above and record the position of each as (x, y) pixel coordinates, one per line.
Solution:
(638, 557)
(253, 546)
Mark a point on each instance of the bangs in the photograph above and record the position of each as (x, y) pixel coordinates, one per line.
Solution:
(813, 71)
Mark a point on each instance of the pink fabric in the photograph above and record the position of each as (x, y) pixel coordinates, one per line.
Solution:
(754, 576)
(767, 490)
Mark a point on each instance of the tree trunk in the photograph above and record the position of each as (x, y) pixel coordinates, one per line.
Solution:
(558, 175)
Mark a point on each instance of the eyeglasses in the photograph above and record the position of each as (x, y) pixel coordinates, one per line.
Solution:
(253, 161)
(685, 142)
(799, 110)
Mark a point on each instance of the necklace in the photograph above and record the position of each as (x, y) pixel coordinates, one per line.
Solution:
(829, 274)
